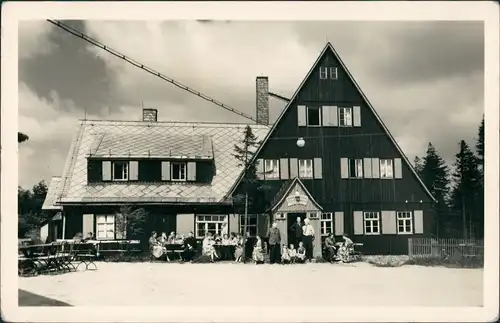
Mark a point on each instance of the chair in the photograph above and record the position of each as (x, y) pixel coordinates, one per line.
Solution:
(85, 253)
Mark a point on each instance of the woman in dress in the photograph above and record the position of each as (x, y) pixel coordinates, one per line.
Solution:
(346, 250)
(258, 254)
(238, 250)
(208, 247)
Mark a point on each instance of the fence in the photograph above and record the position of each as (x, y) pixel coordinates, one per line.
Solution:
(445, 248)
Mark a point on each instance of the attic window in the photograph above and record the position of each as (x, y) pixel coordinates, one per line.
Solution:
(332, 71)
(323, 73)
(120, 171)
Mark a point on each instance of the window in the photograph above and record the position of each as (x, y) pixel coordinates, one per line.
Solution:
(326, 223)
(105, 225)
(323, 73)
(355, 168)
(272, 168)
(252, 225)
(405, 224)
(345, 117)
(120, 171)
(386, 168)
(178, 171)
(209, 224)
(372, 222)
(333, 73)
(313, 116)
(305, 168)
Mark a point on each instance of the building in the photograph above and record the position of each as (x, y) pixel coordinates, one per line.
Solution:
(328, 157)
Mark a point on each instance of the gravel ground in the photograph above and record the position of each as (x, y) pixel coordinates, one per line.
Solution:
(160, 284)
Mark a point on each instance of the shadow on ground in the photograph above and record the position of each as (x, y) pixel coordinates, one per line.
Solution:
(30, 299)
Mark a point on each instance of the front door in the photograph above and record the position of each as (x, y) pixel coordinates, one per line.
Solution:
(291, 219)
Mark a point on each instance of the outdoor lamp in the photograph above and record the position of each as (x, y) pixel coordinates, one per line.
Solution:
(301, 142)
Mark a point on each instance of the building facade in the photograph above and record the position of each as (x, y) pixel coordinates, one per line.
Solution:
(328, 157)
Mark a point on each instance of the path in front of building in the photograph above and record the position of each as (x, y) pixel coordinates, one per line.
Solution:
(172, 284)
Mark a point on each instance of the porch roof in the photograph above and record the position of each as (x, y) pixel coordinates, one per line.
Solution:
(285, 191)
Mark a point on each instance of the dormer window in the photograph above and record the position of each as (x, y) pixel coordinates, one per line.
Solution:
(179, 171)
(328, 72)
(120, 171)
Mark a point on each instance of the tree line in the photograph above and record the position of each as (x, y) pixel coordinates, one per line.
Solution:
(459, 190)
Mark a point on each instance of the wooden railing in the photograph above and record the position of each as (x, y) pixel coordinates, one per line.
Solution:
(445, 248)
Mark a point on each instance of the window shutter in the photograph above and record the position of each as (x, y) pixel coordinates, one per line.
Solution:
(134, 170)
(356, 120)
(259, 168)
(184, 223)
(301, 115)
(106, 170)
(284, 168)
(389, 222)
(191, 171)
(339, 223)
(367, 167)
(330, 117)
(88, 224)
(398, 169)
(294, 167)
(165, 170)
(358, 222)
(419, 221)
(344, 168)
(375, 168)
(318, 168)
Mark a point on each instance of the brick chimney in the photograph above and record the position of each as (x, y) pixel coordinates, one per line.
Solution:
(149, 115)
(262, 99)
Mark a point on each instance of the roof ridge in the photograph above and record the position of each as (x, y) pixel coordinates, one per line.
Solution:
(187, 123)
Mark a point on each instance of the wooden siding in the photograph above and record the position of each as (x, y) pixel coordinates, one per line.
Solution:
(331, 143)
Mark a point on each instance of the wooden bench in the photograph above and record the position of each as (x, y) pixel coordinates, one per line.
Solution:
(85, 253)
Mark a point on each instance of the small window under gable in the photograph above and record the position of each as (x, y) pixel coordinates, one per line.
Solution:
(333, 73)
(323, 73)
(179, 171)
(345, 117)
(120, 171)
(313, 116)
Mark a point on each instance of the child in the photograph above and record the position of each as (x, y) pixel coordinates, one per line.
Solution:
(238, 251)
(293, 253)
(258, 255)
(208, 247)
(285, 256)
(301, 253)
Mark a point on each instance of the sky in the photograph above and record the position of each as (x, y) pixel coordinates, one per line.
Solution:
(425, 79)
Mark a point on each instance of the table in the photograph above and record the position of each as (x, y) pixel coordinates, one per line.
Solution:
(225, 252)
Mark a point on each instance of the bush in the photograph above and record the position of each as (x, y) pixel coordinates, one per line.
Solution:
(398, 261)
(386, 261)
(126, 257)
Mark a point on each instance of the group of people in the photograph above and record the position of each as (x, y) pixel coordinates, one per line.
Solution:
(158, 245)
(240, 248)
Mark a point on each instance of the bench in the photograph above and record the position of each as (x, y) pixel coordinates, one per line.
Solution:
(85, 253)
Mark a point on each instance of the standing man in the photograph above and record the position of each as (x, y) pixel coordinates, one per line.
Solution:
(296, 233)
(307, 239)
(274, 238)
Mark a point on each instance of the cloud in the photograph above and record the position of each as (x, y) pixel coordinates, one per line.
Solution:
(420, 76)
(34, 38)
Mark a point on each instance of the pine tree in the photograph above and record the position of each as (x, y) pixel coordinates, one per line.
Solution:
(244, 153)
(21, 137)
(480, 146)
(466, 189)
(435, 175)
(418, 165)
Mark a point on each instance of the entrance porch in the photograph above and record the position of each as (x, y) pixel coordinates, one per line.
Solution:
(294, 201)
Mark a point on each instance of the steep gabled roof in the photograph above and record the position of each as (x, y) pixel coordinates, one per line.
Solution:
(52, 192)
(314, 66)
(75, 189)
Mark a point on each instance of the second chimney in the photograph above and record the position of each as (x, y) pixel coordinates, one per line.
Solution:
(262, 100)
(149, 115)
